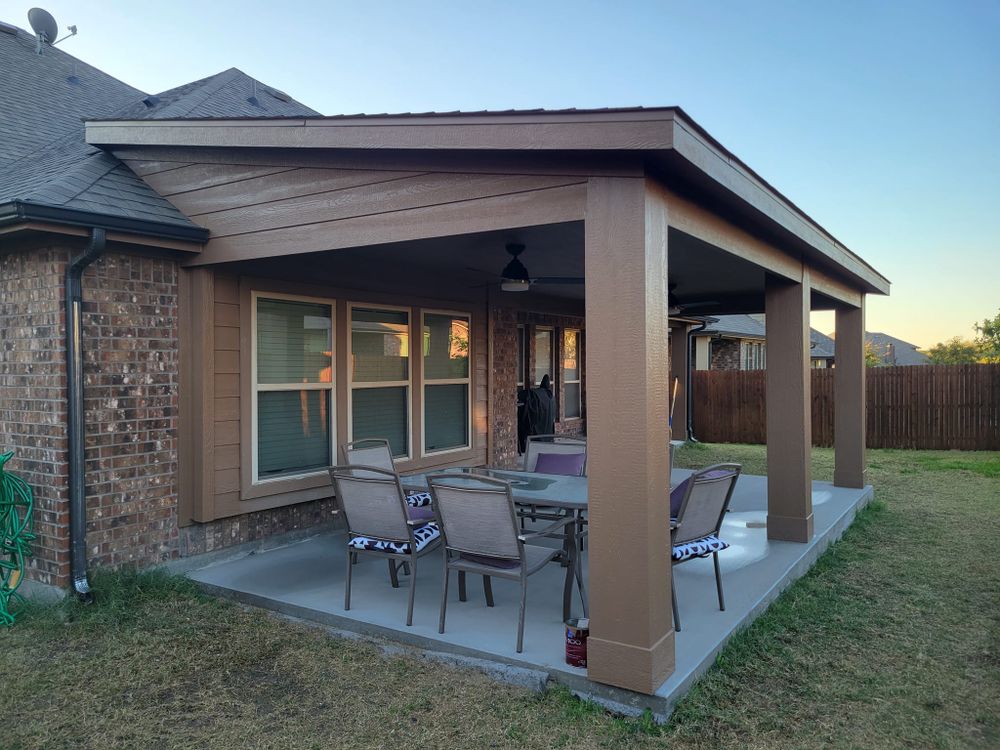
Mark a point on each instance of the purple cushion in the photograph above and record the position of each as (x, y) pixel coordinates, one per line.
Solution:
(420, 513)
(677, 497)
(493, 562)
(569, 464)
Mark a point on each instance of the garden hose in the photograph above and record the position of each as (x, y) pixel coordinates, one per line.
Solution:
(16, 527)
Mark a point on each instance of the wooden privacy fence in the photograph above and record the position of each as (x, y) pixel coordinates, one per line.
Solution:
(930, 407)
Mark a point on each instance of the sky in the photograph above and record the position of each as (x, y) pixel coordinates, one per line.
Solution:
(878, 119)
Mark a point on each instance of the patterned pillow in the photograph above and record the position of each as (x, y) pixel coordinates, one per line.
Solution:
(418, 499)
(698, 548)
(424, 535)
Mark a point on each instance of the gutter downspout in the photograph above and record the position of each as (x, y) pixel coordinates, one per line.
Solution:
(74, 383)
(687, 381)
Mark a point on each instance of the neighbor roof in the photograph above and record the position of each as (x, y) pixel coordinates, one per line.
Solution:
(893, 351)
(754, 327)
(48, 170)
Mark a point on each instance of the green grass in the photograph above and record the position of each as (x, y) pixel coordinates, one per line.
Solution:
(890, 641)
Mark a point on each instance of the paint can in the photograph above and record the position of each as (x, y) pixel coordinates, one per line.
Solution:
(577, 631)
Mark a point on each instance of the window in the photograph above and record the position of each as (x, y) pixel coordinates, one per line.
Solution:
(446, 382)
(544, 363)
(380, 377)
(293, 387)
(572, 367)
(520, 357)
(753, 358)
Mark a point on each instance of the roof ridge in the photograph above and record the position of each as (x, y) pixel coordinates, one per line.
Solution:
(191, 100)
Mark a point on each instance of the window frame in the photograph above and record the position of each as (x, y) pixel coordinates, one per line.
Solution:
(255, 388)
(553, 359)
(467, 381)
(579, 370)
(408, 383)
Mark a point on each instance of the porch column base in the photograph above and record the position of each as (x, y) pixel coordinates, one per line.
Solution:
(631, 667)
(789, 528)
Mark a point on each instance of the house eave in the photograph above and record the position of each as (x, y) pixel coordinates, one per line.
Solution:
(17, 212)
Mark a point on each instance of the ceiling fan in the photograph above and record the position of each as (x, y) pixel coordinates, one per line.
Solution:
(676, 307)
(515, 277)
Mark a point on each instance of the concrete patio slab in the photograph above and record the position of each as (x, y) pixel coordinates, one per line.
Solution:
(306, 579)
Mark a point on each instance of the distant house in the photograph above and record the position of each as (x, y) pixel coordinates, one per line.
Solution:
(893, 351)
(738, 342)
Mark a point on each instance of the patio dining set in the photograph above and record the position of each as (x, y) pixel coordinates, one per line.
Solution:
(504, 523)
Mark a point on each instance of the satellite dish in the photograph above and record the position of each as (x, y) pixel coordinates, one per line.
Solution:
(43, 24)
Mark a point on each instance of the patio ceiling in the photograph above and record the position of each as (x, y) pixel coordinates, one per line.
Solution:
(710, 279)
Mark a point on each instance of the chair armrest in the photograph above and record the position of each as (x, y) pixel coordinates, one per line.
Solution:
(548, 530)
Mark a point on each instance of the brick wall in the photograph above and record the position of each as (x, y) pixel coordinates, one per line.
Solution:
(130, 349)
(33, 397)
(503, 378)
(724, 354)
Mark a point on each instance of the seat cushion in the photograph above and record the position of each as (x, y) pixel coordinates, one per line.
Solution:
(420, 512)
(698, 548)
(418, 499)
(424, 535)
(493, 562)
(570, 464)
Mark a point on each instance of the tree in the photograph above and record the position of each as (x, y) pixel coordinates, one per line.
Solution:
(956, 351)
(872, 359)
(988, 339)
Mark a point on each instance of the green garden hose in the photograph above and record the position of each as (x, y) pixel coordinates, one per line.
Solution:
(16, 527)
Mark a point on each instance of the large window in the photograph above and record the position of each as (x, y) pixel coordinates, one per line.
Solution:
(544, 363)
(293, 387)
(380, 376)
(572, 352)
(446, 382)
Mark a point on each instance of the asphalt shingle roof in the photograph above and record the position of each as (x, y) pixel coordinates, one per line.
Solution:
(753, 327)
(893, 351)
(44, 101)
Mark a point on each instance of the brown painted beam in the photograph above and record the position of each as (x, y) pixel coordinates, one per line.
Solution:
(627, 357)
(849, 398)
(789, 411)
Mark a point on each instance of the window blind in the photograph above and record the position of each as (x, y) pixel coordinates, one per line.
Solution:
(381, 413)
(446, 416)
(293, 342)
(293, 432)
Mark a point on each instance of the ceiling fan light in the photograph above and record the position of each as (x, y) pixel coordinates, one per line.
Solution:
(515, 285)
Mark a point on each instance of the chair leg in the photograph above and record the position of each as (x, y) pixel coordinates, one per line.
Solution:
(351, 556)
(718, 582)
(673, 601)
(406, 568)
(444, 594)
(520, 619)
(393, 578)
(413, 590)
(582, 588)
(488, 590)
(461, 586)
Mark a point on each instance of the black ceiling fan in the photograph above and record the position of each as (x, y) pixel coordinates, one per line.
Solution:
(515, 277)
(676, 307)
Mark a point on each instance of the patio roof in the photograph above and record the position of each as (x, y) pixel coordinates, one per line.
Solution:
(666, 139)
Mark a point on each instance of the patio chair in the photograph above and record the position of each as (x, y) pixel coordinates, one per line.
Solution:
(553, 454)
(481, 536)
(556, 446)
(379, 525)
(698, 505)
(376, 452)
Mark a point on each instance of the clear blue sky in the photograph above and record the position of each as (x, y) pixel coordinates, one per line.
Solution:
(879, 119)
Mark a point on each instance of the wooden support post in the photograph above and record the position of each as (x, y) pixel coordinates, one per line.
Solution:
(789, 411)
(849, 405)
(628, 390)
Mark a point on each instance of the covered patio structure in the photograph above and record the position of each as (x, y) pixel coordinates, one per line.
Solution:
(412, 214)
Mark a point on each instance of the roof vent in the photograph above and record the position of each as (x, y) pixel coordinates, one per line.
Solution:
(151, 101)
(73, 80)
(281, 96)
